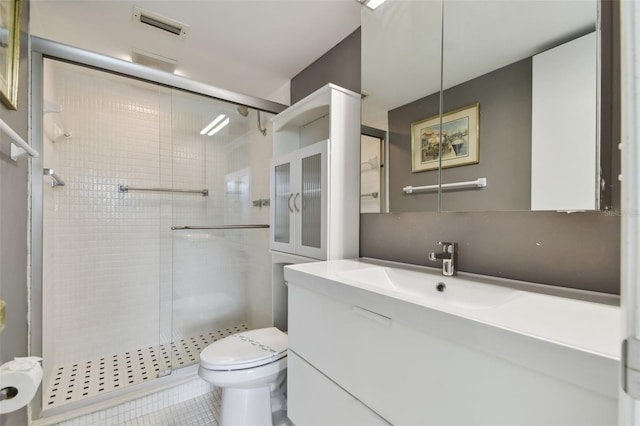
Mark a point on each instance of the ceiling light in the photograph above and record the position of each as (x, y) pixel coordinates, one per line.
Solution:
(219, 127)
(212, 124)
(371, 4)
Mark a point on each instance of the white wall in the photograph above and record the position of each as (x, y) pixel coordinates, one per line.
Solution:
(564, 99)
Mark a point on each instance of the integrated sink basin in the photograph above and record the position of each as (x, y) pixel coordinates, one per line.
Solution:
(431, 288)
(511, 305)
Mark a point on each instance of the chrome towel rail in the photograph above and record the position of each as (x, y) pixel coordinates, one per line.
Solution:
(181, 228)
(127, 188)
(19, 148)
(478, 183)
(55, 179)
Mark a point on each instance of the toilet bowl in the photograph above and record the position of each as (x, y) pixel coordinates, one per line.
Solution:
(251, 369)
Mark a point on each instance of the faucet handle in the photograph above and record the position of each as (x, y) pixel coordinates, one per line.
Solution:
(447, 247)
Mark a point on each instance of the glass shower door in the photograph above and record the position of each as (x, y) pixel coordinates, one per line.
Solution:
(221, 270)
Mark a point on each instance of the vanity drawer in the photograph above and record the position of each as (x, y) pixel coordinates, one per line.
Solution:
(359, 349)
(313, 399)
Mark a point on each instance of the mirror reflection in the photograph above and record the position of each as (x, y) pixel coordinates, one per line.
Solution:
(519, 103)
(401, 62)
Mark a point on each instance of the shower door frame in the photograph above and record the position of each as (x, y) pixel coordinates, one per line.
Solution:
(41, 49)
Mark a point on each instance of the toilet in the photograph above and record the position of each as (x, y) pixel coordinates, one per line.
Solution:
(251, 369)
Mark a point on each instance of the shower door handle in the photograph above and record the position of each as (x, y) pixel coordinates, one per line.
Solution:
(289, 202)
(295, 202)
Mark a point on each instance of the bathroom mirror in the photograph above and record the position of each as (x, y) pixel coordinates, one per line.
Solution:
(520, 102)
(401, 62)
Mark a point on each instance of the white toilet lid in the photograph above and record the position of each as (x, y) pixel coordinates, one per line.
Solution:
(245, 350)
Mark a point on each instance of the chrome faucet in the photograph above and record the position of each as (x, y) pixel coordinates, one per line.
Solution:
(448, 257)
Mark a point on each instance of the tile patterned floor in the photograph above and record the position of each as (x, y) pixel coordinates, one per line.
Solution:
(201, 411)
(85, 379)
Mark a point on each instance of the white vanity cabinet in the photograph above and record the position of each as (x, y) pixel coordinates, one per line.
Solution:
(315, 176)
(410, 364)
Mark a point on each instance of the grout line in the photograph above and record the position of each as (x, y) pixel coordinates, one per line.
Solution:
(201, 410)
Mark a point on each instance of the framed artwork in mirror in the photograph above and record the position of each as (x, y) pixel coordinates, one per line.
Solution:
(9, 51)
(460, 140)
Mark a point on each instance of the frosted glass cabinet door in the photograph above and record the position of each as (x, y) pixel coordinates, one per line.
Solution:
(310, 203)
(283, 219)
(299, 214)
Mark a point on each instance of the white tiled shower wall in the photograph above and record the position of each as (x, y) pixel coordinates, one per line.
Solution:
(116, 277)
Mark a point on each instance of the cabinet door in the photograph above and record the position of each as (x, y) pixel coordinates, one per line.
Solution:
(283, 190)
(310, 202)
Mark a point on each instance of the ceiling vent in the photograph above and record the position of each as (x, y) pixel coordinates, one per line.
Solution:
(160, 22)
(152, 60)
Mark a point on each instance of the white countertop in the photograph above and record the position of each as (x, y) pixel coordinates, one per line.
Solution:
(587, 326)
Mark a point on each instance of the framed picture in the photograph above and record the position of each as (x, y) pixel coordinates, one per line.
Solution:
(9, 51)
(460, 140)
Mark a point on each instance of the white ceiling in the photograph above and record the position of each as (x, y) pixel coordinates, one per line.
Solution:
(256, 46)
(252, 47)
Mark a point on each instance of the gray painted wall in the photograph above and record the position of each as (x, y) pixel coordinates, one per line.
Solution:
(504, 96)
(13, 224)
(340, 65)
(577, 250)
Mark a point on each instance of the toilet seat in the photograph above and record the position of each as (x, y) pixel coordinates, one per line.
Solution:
(244, 350)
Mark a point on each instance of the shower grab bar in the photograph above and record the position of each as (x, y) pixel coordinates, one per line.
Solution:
(127, 188)
(478, 183)
(180, 228)
(19, 148)
(55, 179)
(371, 194)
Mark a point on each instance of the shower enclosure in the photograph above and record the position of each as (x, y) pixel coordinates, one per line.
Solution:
(153, 239)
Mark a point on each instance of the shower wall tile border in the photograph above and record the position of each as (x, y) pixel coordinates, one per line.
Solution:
(578, 250)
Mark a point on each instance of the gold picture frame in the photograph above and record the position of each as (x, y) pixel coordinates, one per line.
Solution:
(460, 144)
(10, 12)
